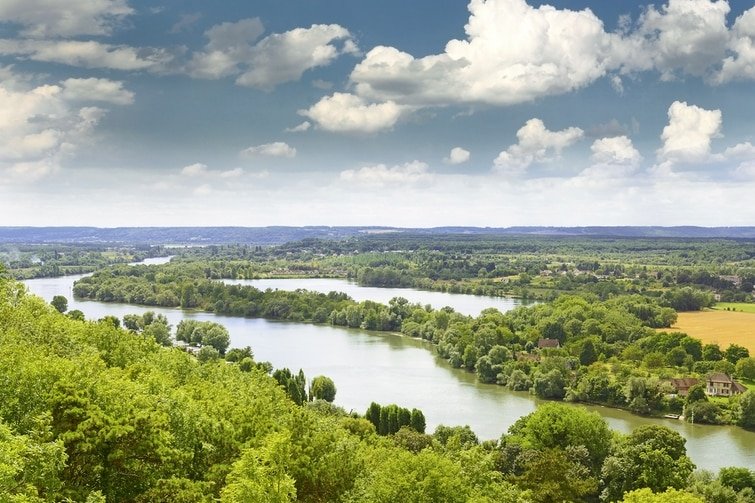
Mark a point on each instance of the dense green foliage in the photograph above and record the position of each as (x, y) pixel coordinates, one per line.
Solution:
(93, 412)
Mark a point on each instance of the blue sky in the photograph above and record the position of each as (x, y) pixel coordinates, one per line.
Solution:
(423, 113)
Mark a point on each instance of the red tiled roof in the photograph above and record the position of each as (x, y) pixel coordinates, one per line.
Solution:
(548, 343)
(683, 382)
(719, 377)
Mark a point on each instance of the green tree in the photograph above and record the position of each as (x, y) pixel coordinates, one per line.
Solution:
(208, 354)
(704, 412)
(486, 371)
(652, 457)
(417, 421)
(747, 409)
(712, 353)
(703, 484)
(588, 353)
(217, 336)
(177, 490)
(460, 436)
(676, 357)
(553, 475)
(737, 478)
(746, 368)
(260, 474)
(322, 388)
(30, 466)
(692, 347)
(560, 426)
(246, 365)
(669, 496)
(159, 331)
(60, 303)
(412, 440)
(549, 385)
(735, 352)
(519, 381)
(696, 393)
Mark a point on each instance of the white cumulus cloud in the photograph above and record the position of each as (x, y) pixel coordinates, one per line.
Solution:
(536, 143)
(345, 113)
(233, 49)
(275, 149)
(89, 54)
(684, 35)
(299, 128)
(56, 18)
(92, 89)
(513, 53)
(689, 132)
(744, 150)
(740, 65)
(457, 155)
(612, 158)
(616, 150)
(41, 126)
(232, 173)
(196, 169)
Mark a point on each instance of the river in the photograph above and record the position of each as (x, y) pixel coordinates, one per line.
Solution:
(389, 368)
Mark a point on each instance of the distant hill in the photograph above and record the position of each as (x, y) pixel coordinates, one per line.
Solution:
(281, 234)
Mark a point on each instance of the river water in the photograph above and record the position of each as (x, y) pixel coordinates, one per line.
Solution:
(389, 368)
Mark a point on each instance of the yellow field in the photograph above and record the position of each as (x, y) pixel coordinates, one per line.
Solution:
(719, 327)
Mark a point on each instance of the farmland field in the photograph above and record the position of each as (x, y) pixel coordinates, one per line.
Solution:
(719, 327)
(735, 306)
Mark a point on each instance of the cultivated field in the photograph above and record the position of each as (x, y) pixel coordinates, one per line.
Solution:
(719, 327)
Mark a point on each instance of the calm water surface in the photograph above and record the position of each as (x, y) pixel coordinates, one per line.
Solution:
(389, 368)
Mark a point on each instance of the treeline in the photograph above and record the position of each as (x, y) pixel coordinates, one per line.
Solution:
(524, 266)
(90, 412)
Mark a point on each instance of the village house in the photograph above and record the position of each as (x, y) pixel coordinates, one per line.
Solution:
(548, 343)
(719, 384)
(683, 384)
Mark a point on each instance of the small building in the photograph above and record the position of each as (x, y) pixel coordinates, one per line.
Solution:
(548, 344)
(682, 384)
(719, 384)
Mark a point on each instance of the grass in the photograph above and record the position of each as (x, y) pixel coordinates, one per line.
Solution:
(735, 306)
(719, 327)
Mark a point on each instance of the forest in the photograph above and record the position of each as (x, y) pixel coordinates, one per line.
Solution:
(94, 412)
(135, 410)
(535, 267)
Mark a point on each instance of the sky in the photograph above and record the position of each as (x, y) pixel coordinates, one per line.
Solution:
(361, 112)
